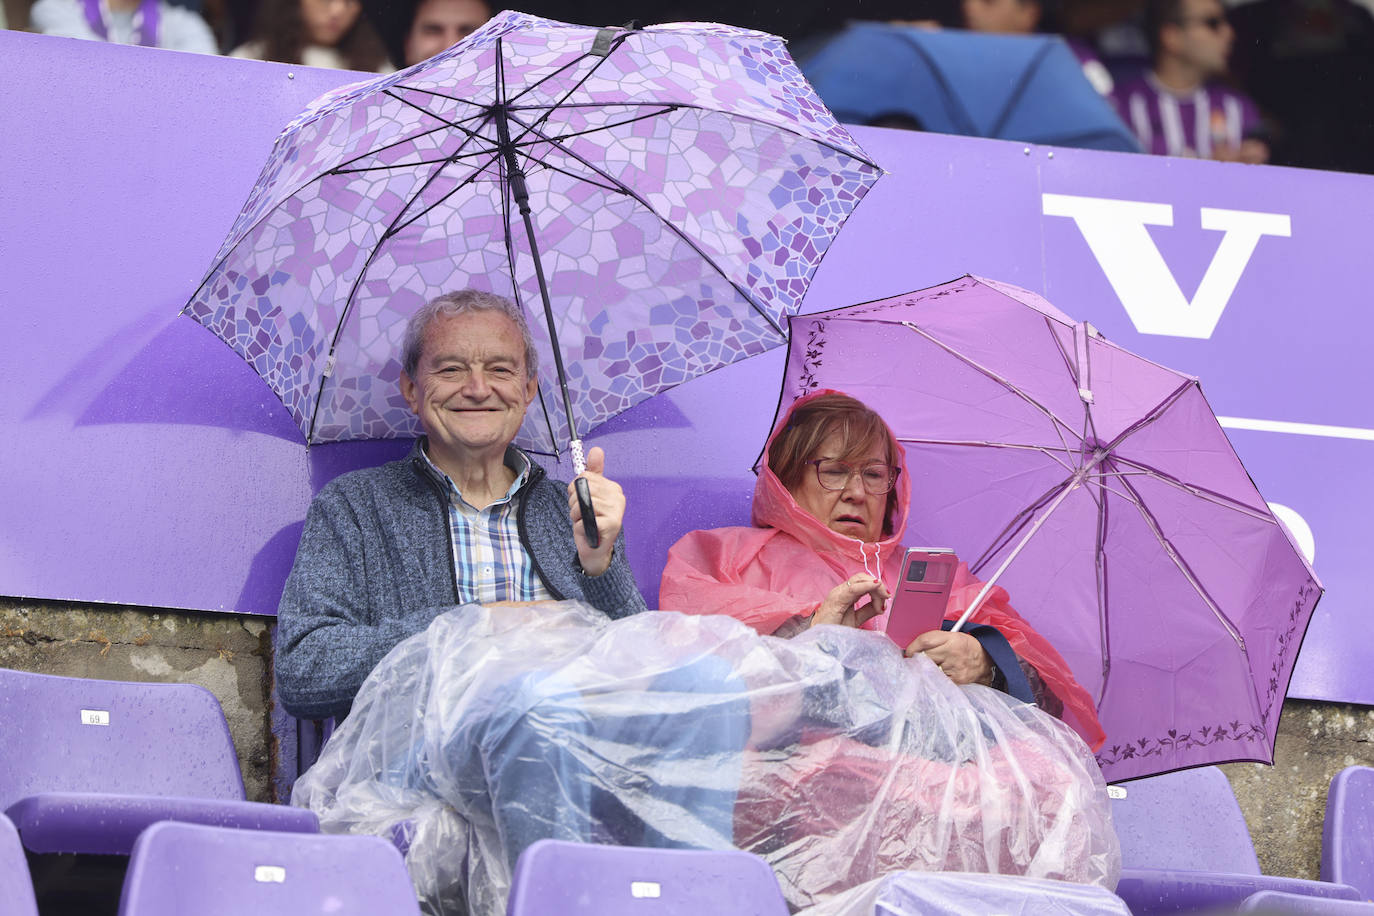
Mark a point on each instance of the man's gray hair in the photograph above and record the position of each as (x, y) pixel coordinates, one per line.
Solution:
(460, 302)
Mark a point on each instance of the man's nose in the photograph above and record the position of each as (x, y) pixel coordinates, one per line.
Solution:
(475, 386)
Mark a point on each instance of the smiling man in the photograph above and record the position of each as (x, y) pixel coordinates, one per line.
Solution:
(465, 518)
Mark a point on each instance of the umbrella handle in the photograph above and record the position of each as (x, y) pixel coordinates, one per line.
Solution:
(584, 500)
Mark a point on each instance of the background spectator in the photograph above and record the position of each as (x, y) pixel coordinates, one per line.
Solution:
(152, 23)
(1025, 17)
(333, 34)
(1015, 17)
(439, 24)
(1307, 64)
(1179, 107)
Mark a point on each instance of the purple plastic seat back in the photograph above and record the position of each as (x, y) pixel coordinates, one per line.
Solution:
(943, 893)
(1348, 830)
(16, 889)
(554, 876)
(218, 871)
(1149, 891)
(1184, 820)
(81, 735)
(1278, 903)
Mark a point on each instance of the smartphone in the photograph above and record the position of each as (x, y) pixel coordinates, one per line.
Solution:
(918, 605)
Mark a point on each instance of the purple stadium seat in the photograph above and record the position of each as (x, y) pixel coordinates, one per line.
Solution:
(1348, 830)
(1184, 820)
(1148, 891)
(1277, 903)
(86, 765)
(553, 876)
(180, 868)
(947, 893)
(16, 890)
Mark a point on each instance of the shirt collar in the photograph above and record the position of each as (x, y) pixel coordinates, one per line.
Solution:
(515, 459)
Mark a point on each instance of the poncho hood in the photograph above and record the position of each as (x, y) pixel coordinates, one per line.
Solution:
(774, 506)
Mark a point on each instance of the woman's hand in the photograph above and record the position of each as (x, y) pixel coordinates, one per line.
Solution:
(958, 655)
(839, 606)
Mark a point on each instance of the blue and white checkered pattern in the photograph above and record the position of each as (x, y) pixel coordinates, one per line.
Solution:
(489, 562)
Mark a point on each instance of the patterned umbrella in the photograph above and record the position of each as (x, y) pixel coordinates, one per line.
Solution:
(677, 186)
(1100, 490)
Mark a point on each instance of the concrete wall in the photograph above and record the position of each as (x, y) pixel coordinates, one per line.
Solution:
(231, 656)
(1284, 803)
(228, 654)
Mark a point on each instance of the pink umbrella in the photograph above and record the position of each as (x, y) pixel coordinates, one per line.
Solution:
(1098, 488)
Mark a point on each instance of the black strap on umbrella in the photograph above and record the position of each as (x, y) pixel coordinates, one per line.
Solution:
(604, 42)
(515, 176)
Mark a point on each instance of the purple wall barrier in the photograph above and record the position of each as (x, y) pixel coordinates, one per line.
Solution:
(146, 464)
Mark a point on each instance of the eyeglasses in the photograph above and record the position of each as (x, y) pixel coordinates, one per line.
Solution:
(1213, 22)
(876, 476)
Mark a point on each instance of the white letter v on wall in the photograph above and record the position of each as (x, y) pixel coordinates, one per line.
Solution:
(1115, 232)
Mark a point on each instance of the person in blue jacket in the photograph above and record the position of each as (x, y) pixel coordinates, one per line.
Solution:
(465, 518)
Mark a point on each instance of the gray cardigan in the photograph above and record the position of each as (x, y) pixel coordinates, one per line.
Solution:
(375, 565)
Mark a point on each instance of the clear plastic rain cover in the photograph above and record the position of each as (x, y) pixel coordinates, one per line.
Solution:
(830, 755)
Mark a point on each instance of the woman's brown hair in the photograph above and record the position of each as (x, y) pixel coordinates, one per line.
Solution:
(809, 425)
(281, 28)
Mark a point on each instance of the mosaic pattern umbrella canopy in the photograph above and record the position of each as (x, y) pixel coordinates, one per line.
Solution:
(1099, 489)
(684, 184)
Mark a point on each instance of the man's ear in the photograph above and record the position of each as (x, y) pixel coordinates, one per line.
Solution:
(409, 392)
(531, 389)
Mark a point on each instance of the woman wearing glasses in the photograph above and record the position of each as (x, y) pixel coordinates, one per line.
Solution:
(829, 512)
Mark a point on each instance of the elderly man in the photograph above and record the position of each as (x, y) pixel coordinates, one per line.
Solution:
(465, 518)
(1181, 107)
(440, 24)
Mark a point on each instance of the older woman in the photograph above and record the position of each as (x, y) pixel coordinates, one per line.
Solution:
(829, 512)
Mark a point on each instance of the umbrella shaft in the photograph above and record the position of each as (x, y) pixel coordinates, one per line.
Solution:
(516, 177)
(1073, 483)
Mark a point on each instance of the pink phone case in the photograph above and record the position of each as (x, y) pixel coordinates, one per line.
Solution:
(918, 605)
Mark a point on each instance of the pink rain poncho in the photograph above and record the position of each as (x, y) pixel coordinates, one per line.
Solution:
(788, 561)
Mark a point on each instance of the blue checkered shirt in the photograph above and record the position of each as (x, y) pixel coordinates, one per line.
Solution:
(489, 562)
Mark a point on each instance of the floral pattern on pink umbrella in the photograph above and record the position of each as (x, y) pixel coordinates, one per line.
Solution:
(1099, 489)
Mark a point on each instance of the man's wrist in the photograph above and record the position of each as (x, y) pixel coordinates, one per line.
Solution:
(610, 559)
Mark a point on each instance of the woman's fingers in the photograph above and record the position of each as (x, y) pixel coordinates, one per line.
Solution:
(866, 613)
(960, 656)
(841, 605)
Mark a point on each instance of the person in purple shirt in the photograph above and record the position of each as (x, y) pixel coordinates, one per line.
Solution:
(1179, 107)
